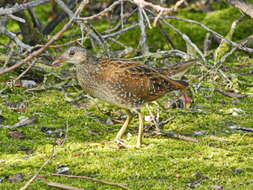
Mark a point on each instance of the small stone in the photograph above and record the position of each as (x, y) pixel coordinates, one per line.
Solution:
(129, 135)
(148, 118)
(28, 83)
(16, 135)
(109, 121)
(238, 170)
(62, 170)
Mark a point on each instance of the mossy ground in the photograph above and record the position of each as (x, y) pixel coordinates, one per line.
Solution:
(225, 156)
(88, 150)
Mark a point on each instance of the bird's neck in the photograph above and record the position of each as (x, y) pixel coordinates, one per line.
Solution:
(91, 59)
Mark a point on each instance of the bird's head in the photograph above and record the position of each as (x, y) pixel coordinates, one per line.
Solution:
(74, 55)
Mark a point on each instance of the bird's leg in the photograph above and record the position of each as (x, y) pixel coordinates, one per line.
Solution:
(125, 125)
(140, 132)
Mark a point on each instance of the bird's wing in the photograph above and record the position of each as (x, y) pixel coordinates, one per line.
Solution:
(138, 80)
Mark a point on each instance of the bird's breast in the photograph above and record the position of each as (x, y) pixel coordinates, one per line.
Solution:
(107, 89)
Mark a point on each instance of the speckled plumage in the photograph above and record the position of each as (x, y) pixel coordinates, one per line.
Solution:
(123, 83)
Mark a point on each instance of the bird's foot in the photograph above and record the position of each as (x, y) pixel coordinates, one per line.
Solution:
(121, 144)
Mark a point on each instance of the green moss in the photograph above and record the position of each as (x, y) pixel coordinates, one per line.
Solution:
(221, 20)
(161, 163)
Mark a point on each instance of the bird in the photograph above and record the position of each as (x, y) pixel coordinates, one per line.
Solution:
(124, 83)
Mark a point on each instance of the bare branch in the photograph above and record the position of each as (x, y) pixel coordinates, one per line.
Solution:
(120, 31)
(240, 4)
(163, 54)
(158, 8)
(17, 18)
(60, 16)
(13, 37)
(35, 20)
(55, 37)
(234, 44)
(65, 8)
(102, 12)
(143, 37)
(186, 39)
(20, 7)
(61, 186)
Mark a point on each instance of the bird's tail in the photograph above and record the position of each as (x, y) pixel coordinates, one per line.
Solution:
(178, 70)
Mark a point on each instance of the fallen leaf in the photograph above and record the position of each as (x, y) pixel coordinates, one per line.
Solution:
(217, 187)
(118, 121)
(231, 94)
(59, 141)
(26, 149)
(199, 178)
(235, 111)
(24, 121)
(238, 170)
(235, 127)
(16, 135)
(2, 178)
(52, 131)
(16, 177)
(76, 154)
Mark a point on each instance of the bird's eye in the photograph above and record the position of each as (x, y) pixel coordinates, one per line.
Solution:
(71, 52)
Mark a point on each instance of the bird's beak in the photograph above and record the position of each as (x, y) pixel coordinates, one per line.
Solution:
(58, 61)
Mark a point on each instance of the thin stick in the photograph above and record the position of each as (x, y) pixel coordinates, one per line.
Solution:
(61, 186)
(174, 135)
(23, 73)
(158, 8)
(120, 31)
(162, 54)
(143, 37)
(102, 12)
(234, 44)
(92, 179)
(186, 39)
(14, 37)
(65, 8)
(61, 45)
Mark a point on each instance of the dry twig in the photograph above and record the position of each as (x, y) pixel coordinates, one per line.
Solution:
(61, 186)
(92, 179)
